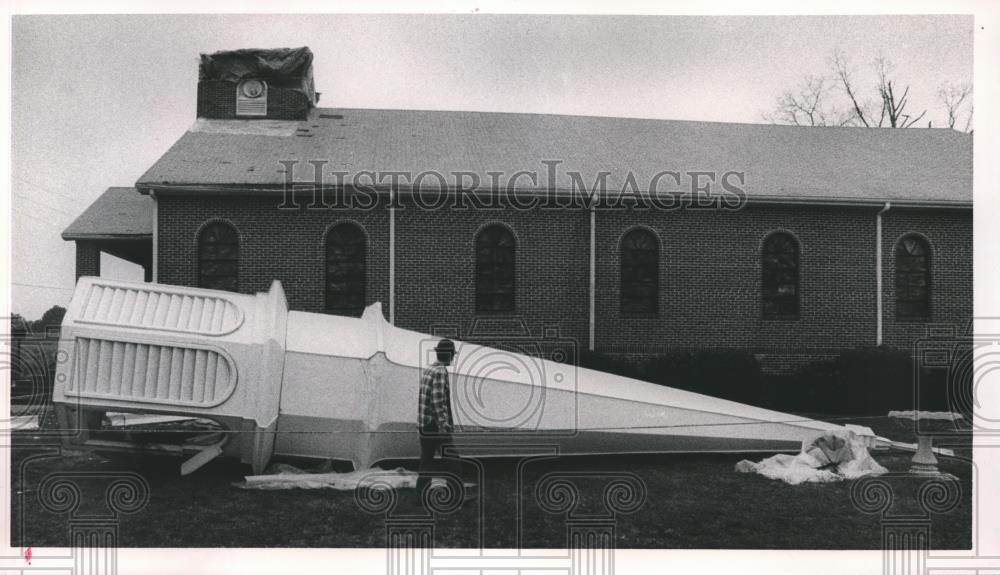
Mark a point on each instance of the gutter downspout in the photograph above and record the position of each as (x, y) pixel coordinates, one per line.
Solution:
(593, 273)
(878, 273)
(156, 236)
(392, 259)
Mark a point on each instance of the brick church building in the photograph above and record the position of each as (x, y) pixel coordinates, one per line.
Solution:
(628, 236)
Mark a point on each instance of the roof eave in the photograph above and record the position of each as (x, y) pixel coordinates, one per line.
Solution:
(70, 236)
(862, 202)
(145, 188)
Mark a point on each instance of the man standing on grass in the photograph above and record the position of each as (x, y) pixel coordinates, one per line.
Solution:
(434, 413)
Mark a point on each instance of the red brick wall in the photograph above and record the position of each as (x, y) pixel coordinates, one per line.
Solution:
(710, 280)
(217, 99)
(435, 268)
(287, 245)
(949, 234)
(709, 276)
(88, 259)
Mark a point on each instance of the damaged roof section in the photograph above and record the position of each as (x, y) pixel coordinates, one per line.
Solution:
(119, 213)
(274, 64)
(262, 83)
(779, 163)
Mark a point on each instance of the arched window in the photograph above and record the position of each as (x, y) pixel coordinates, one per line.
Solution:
(219, 257)
(780, 277)
(913, 279)
(346, 252)
(495, 250)
(640, 273)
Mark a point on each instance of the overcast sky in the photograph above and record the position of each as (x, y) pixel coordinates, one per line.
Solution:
(97, 99)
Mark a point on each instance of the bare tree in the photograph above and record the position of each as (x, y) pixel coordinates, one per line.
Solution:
(953, 96)
(843, 74)
(893, 109)
(808, 105)
(802, 106)
(813, 103)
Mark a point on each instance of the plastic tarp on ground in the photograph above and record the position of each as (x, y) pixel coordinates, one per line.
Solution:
(834, 456)
(284, 476)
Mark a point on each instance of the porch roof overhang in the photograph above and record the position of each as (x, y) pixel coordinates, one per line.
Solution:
(119, 214)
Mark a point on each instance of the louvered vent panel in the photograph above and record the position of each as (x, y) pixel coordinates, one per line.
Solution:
(161, 310)
(251, 107)
(150, 373)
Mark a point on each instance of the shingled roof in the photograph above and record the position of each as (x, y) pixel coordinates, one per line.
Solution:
(780, 163)
(119, 213)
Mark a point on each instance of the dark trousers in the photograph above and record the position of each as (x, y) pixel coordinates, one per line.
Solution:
(431, 443)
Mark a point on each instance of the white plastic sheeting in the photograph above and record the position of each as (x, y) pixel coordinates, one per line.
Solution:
(926, 415)
(23, 423)
(292, 478)
(834, 456)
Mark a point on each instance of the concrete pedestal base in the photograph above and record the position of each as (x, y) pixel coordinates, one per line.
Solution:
(925, 424)
(924, 462)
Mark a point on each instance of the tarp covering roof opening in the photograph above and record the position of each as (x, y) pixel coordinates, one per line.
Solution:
(235, 65)
(285, 67)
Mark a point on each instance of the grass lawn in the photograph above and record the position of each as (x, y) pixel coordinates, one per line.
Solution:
(692, 501)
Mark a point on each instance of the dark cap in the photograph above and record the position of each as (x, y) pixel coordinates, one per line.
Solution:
(445, 345)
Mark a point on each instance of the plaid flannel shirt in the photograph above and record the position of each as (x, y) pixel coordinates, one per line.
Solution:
(435, 399)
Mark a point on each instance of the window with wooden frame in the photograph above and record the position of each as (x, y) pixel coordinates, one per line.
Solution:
(346, 263)
(495, 266)
(640, 274)
(913, 279)
(780, 277)
(218, 257)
